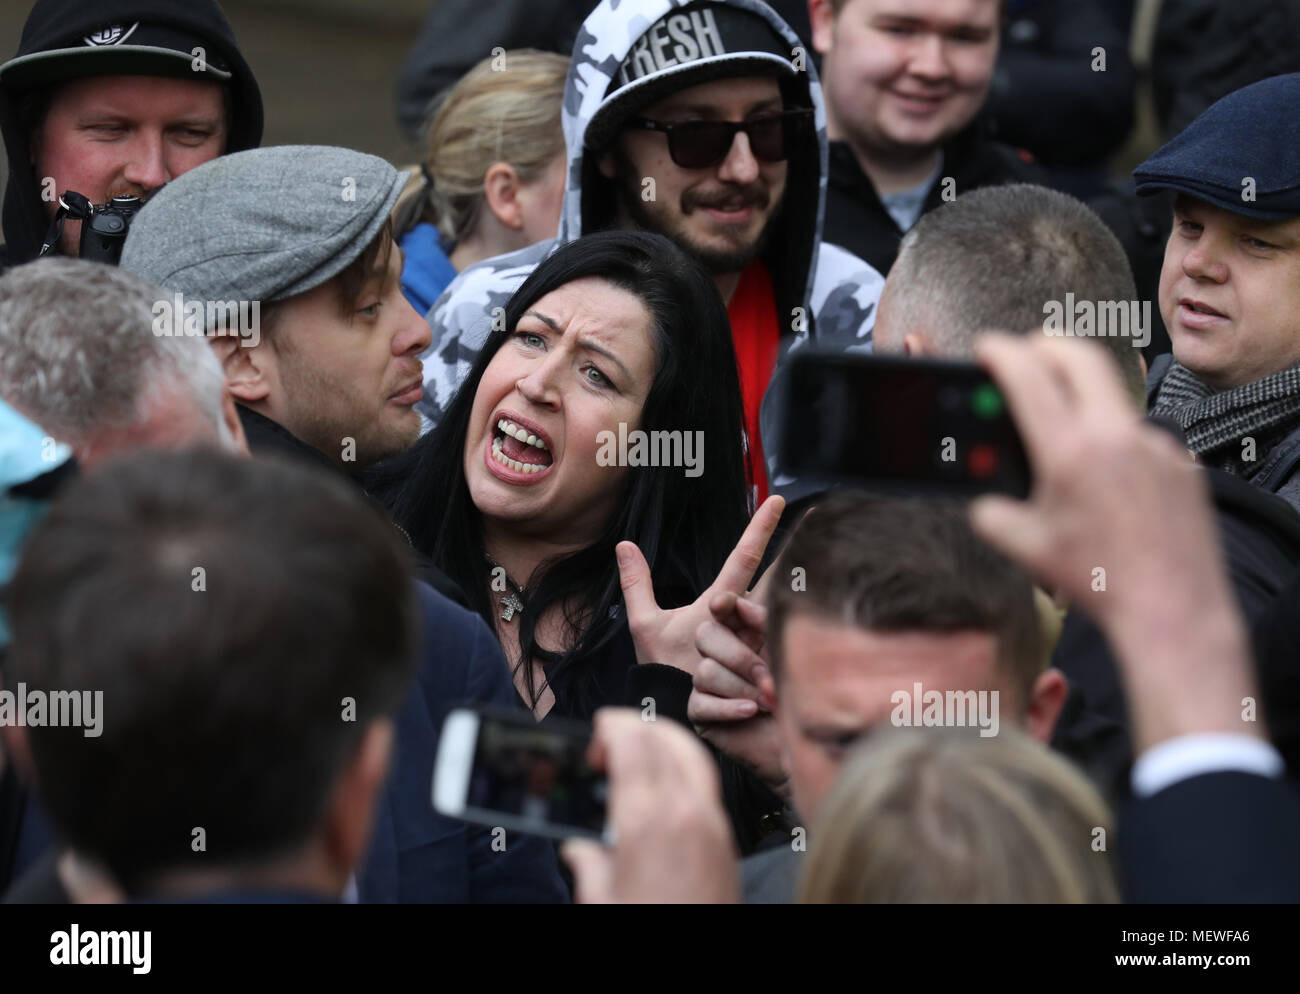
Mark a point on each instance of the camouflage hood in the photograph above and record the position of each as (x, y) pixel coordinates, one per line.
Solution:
(605, 41)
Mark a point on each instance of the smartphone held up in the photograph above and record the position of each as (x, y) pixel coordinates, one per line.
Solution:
(502, 769)
(904, 425)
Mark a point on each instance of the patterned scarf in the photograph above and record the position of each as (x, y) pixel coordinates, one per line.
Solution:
(1215, 423)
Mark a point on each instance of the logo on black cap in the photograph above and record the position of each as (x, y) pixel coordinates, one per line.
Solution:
(114, 34)
(676, 39)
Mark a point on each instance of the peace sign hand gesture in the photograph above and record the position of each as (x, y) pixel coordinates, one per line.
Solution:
(668, 637)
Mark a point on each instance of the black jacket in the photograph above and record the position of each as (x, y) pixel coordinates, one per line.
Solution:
(54, 24)
(1046, 96)
(858, 221)
(1260, 535)
(266, 437)
(1219, 838)
(1276, 636)
(415, 855)
(1206, 49)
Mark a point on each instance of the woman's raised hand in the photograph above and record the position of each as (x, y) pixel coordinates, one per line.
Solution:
(668, 636)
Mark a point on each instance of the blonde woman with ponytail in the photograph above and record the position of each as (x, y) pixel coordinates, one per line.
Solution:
(493, 176)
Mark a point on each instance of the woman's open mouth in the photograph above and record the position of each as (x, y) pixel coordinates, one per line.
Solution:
(516, 454)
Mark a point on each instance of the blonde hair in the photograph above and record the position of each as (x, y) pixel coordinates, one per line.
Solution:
(944, 816)
(505, 109)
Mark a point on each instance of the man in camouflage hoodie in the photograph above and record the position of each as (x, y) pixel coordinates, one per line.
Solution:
(654, 98)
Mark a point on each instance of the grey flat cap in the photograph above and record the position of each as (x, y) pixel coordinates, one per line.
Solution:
(264, 224)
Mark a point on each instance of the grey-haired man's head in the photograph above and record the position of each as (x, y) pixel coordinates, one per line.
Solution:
(79, 357)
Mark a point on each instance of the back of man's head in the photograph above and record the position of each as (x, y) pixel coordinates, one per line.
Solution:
(904, 565)
(79, 356)
(250, 627)
(1005, 258)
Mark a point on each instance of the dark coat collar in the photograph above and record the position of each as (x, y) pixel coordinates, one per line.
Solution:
(265, 435)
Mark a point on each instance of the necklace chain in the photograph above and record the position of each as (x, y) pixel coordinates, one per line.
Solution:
(512, 602)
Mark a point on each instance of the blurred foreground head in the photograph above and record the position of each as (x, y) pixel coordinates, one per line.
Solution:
(248, 629)
(934, 816)
(79, 357)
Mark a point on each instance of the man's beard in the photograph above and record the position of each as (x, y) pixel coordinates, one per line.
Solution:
(716, 261)
(324, 428)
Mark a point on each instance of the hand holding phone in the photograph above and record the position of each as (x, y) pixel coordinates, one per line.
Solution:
(1117, 495)
(672, 840)
(667, 838)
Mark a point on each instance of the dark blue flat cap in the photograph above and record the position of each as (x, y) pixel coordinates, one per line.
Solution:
(1251, 134)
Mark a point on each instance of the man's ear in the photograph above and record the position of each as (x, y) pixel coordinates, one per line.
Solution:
(914, 345)
(501, 189)
(1045, 703)
(247, 370)
(821, 14)
(349, 815)
(230, 415)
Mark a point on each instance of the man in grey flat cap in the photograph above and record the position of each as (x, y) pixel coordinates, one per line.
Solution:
(298, 288)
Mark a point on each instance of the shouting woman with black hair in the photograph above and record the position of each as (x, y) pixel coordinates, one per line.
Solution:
(528, 484)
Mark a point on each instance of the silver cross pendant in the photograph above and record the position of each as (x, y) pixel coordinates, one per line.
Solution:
(510, 605)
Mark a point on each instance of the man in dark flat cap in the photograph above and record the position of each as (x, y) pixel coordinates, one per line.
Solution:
(1230, 286)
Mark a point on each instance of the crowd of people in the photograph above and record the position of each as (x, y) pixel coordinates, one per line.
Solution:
(324, 454)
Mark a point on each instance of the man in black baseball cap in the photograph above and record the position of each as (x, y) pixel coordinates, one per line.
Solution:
(1230, 286)
(116, 98)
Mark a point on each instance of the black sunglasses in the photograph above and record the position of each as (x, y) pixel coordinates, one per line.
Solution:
(701, 144)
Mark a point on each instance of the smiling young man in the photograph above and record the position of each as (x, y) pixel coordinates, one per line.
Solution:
(116, 98)
(905, 81)
(702, 122)
(1230, 286)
